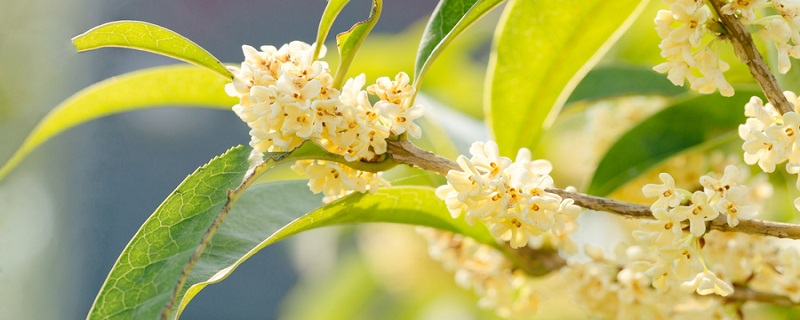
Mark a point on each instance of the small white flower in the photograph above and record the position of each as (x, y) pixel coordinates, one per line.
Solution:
(668, 195)
(743, 8)
(698, 212)
(402, 119)
(706, 283)
(398, 91)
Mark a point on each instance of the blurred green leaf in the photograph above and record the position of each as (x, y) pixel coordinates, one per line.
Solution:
(541, 52)
(142, 280)
(612, 81)
(449, 19)
(328, 16)
(144, 89)
(343, 295)
(148, 37)
(683, 125)
(350, 40)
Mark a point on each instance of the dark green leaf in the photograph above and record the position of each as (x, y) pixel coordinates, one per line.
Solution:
(449, 19)
(148, 37)
(681, 126)
(613, 81)
(144, 89)
(541, 51)
(350, 40)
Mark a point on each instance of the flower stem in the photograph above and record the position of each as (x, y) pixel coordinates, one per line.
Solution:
(746, 50)
(405, 152)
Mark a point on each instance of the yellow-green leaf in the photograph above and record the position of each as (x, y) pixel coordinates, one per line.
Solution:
(148, 37)
(350, 40)
(328, 16)
(180, 85)
(542, 50)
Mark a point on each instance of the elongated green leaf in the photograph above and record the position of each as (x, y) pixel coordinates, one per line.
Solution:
(142, 281)
(271, 212)
(683, 125)
(449, 19)
(148, 37)
(612, 81)
(542, 50)
(350, 40)
(328, 16)
(161, 86)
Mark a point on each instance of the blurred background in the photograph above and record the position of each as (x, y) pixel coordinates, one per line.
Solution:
(71, 207)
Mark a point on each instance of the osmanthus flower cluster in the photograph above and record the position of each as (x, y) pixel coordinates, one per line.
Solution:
(620, 285)
(765, 264)
(689, 43)
(508, 197)
(680, 224)
(771, 138)
(690, 35)
(507, 290)
(286, 97)
(615, 286)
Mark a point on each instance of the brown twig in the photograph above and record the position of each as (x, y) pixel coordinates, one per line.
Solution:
(407, 153)
(743, 293)
(542, 262)
(746, 50)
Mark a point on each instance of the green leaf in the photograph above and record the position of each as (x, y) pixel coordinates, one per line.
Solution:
(148, 37)
(541, 51)
(613, 81)
(268, 213)
(350, 40)
(449, 19)
(328, 16)
(142, 280)
(161, 86)
(683, 125)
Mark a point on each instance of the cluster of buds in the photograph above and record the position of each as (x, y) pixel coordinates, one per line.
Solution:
(614, 286)
(287, 97)
(507, 290)
(508, 197)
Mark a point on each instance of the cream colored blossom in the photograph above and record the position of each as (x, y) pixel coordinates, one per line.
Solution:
(743, 8)
(286, 98)
(684, 29)
(501, 287)
(678, 257)
(508, 197)
(707, 282)
(335, 180)
(668, 196)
